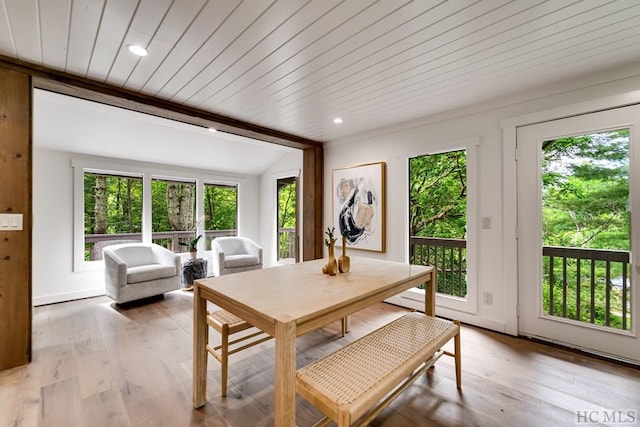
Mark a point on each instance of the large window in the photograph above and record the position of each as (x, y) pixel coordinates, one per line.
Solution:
(123, 203)
(220, 211)
(173, 213)
(438, 217)
(112, 212)
(442, 226)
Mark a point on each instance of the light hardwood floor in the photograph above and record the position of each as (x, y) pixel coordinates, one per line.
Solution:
(95, 364)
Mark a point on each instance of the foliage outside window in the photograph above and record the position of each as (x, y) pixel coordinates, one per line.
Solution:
(220, 211)
(586, 191)
(286, 217)
(108, 209)
(585, 200)
(438, 214)
(438, 199)
(173, 217)
(112, 212)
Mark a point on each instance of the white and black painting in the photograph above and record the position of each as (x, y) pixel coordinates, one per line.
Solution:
(358, 206)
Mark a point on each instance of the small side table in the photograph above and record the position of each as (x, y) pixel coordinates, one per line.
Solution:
(193, 269)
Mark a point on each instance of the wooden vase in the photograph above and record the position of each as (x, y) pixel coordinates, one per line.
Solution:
(344, 262)
(331, 267)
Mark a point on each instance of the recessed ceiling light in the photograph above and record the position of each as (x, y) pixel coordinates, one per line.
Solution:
(337, 120)
(213, 130)
(137, 50)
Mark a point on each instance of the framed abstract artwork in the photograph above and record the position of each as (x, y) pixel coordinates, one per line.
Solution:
(359, 206)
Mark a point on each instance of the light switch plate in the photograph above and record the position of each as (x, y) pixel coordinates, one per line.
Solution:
(10, 222)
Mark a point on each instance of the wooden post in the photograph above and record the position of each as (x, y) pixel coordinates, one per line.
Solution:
(15, 198)
(312, 225)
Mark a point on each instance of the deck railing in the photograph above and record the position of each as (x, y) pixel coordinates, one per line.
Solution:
(94, 243)
(287, 243)
(589, 285)
(168, 239)
(448, 256)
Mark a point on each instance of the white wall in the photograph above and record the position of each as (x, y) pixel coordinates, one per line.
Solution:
(52, 258)
(496, 246)
(289, 165)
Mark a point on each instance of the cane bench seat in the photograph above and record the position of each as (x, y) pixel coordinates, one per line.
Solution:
(349, 385)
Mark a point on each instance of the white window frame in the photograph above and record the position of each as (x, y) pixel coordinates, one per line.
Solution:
(147, 173)
(79, 169)
(224, 184)
(148, 237)
(202, 245)
(414, 298)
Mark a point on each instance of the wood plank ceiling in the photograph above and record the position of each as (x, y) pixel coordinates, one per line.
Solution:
(294, 65)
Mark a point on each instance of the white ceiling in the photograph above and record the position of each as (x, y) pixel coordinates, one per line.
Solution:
(294, 65)
(70, 124)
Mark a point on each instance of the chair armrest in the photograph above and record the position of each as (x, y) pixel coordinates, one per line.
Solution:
(167, 257)
(253, 248)
(115, 270)
(218, 258)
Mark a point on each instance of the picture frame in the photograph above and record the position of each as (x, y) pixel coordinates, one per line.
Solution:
(359, 206)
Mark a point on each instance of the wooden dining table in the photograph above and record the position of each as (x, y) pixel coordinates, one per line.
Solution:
(291, 300)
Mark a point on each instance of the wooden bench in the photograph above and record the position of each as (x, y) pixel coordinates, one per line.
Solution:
(359, 380)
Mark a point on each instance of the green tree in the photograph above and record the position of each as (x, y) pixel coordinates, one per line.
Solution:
(585, 196)
(286, 216)
(438, 208)
(220, 207)
(100, 204)
(172, 205)
(438, 195)
(287, 205)
(586, 191)
(181, 203)
(112, 204)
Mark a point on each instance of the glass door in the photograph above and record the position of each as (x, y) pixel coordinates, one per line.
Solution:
(287, 233)
(576, 202)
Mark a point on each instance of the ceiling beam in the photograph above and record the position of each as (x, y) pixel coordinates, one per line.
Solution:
(92, 90)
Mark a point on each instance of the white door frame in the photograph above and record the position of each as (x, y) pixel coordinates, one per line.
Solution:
(532, 321)
(509, 189)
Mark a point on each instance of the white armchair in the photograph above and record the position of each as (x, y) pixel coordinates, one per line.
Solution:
(138, 270)
(235, 254)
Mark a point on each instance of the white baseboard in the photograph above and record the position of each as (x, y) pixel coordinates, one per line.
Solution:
(69, 296)
(470, 319)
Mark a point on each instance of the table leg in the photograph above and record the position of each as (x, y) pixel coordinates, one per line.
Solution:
(346, 324)
(430, 296)
(285, 385)
(200, 337)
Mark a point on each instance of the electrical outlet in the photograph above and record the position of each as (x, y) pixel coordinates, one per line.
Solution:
(486, 222)
(487, 298)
